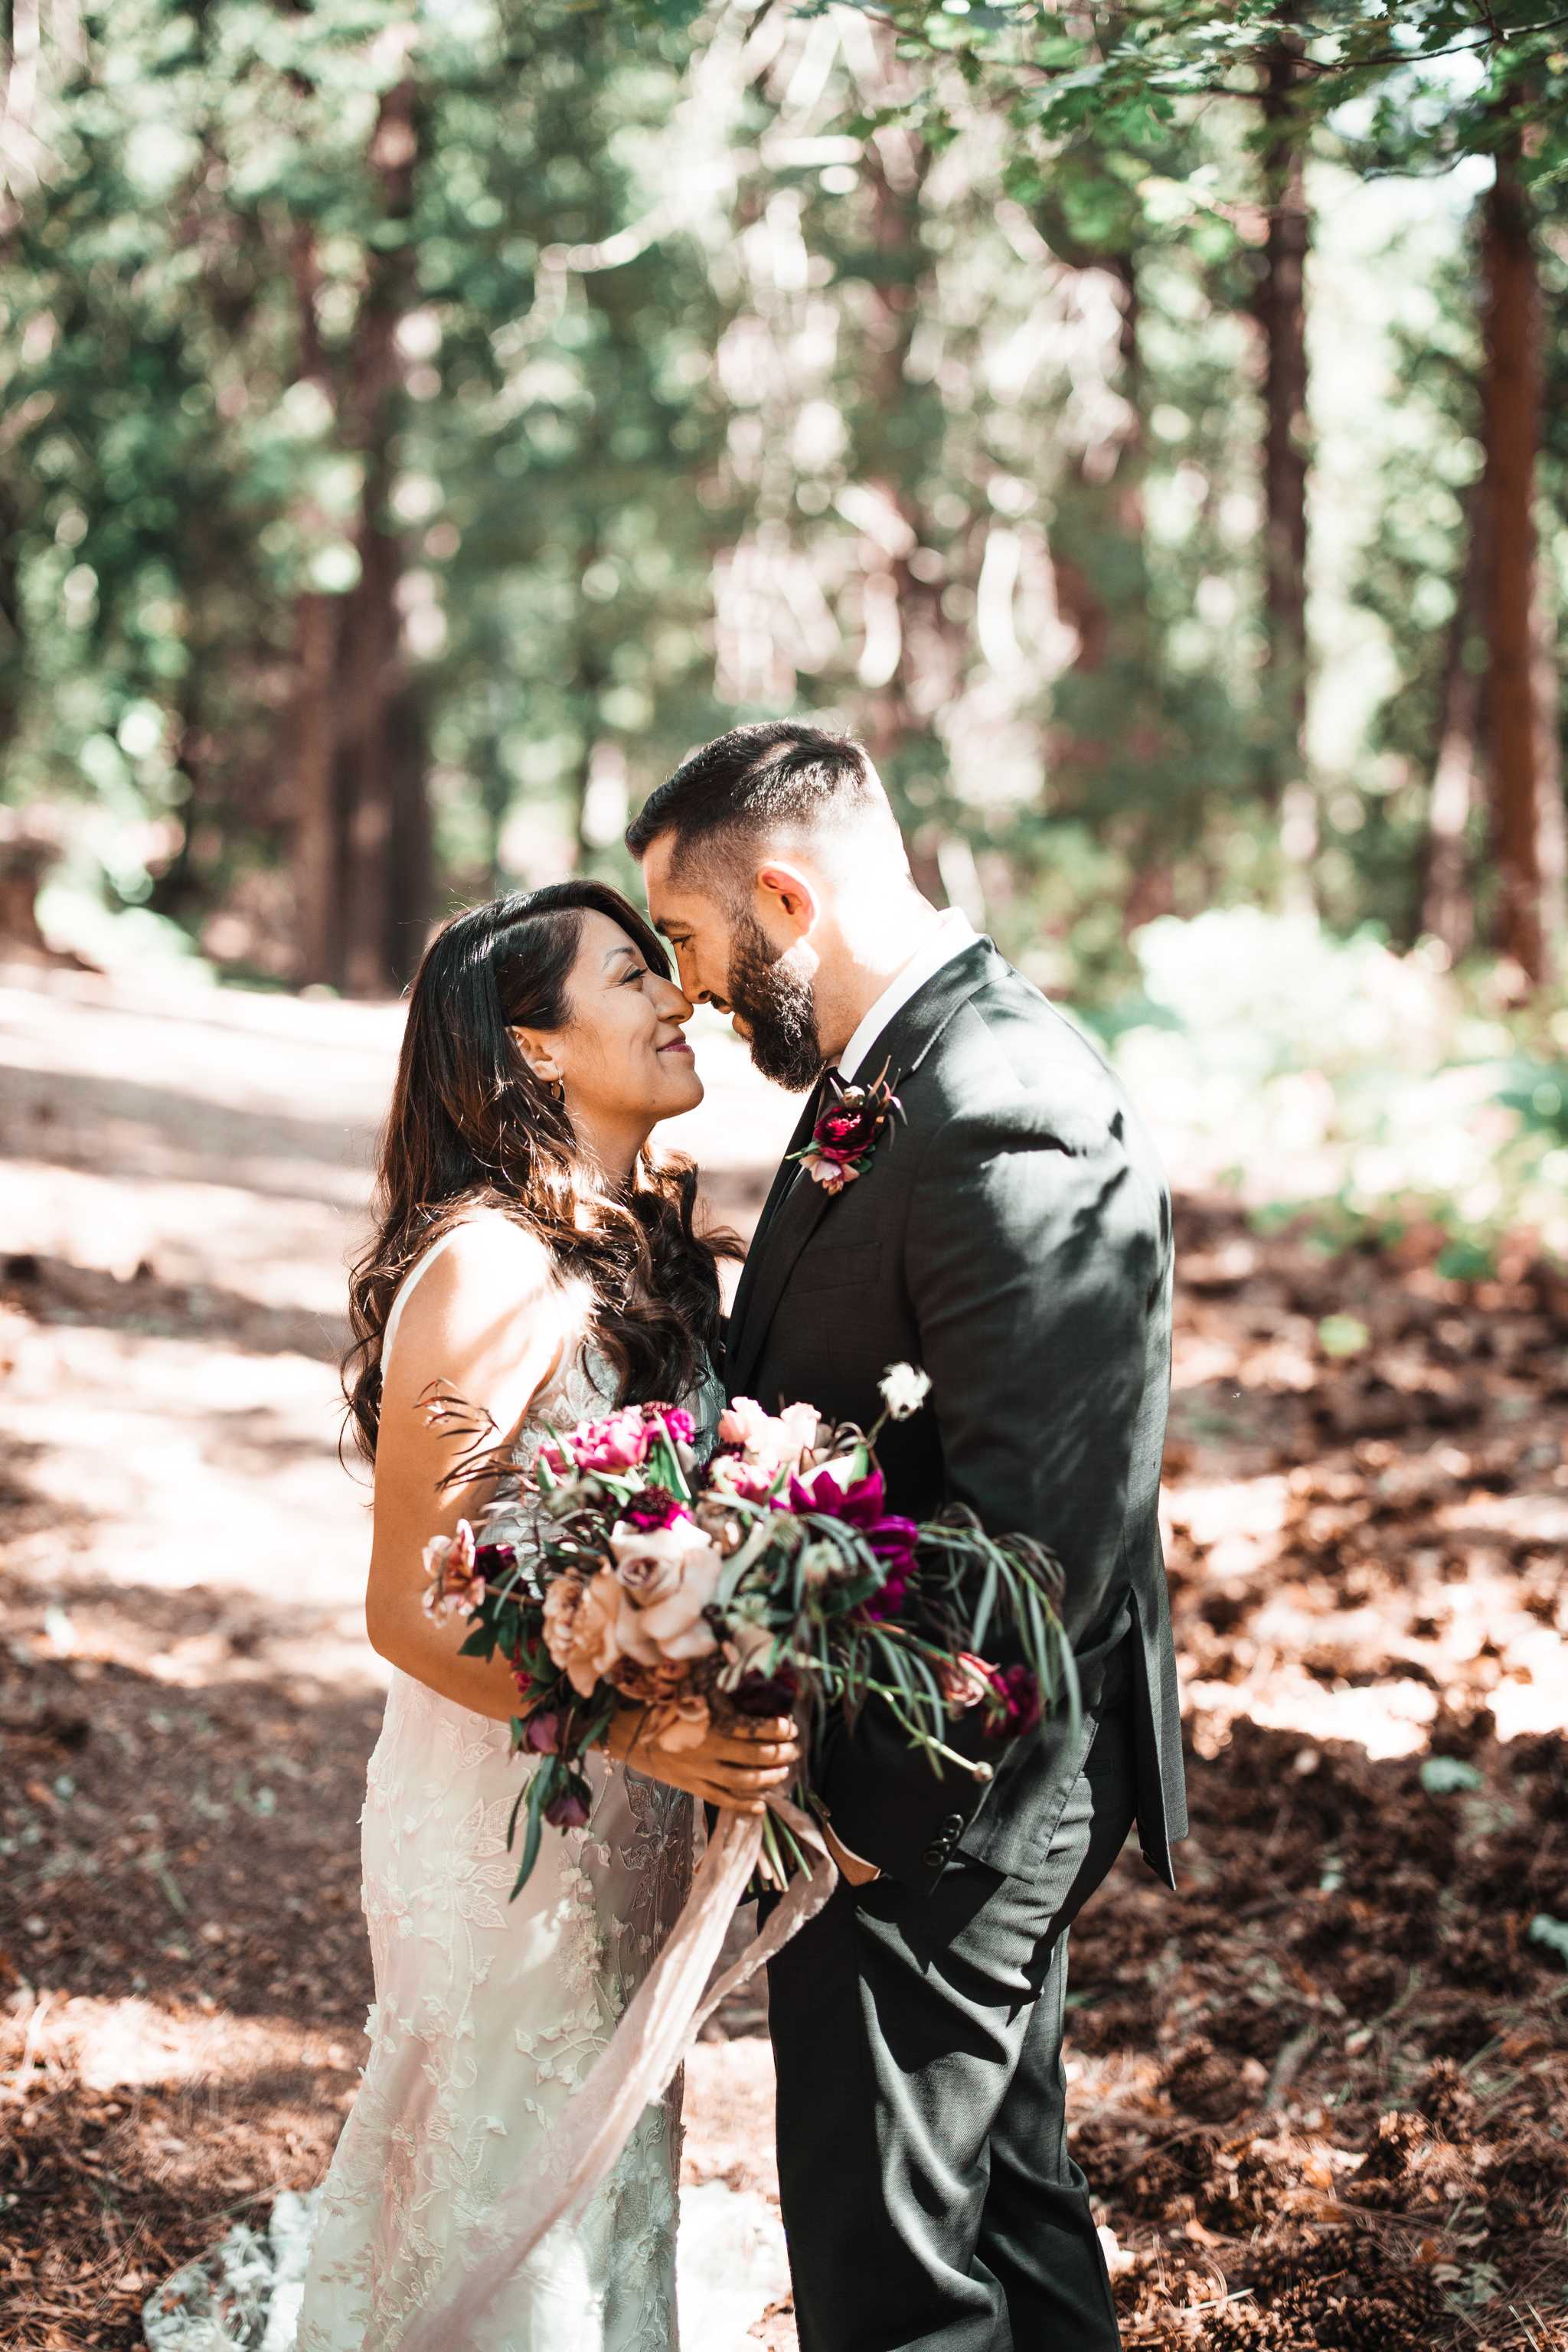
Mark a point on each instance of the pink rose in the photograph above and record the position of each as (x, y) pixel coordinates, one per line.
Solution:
(741, 1423)
(455, 1586)
(964, 1681)
(732, 1475)
(666, 1577)
(581, 1615)
(773, 1439)
(678, 1425)
(619, 1442)
(651, 1561)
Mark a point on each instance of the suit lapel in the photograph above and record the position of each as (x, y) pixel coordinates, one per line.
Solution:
(792, 1227)
(794, 1211)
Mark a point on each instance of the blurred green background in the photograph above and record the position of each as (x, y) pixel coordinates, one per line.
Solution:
(1146, 428)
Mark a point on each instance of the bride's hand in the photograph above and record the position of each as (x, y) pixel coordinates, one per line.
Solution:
(738, 1766)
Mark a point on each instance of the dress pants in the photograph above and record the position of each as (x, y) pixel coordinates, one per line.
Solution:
(929, 2200)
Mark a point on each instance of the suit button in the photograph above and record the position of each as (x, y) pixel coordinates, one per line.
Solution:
(934, 1855)
(954, 1826)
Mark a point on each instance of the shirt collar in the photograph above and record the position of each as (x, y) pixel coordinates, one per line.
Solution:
(953, 932)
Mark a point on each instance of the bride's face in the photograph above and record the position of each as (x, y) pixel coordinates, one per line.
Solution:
(622, 1056)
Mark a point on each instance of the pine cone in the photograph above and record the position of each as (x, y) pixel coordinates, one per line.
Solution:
(1400, 2138)
(1446, 2100)
(1401, 2315)
(1207, 2086)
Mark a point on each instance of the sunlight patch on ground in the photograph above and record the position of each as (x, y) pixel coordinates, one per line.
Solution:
(173, 1493)
(1386, 1719)
(1539, 1518)
(275, 1050)
(730, 2264)
(289, 1252)
(1197, 1362)
(1236, 1524)
(132, 2043)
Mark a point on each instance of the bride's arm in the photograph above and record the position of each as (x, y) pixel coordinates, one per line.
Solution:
(486, 1322)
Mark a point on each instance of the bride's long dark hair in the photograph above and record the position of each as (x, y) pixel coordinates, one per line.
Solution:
(471, 1126)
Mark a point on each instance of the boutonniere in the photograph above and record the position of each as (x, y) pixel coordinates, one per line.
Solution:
(850, 1126)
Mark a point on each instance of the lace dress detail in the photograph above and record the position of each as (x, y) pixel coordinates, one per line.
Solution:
(488, 2014)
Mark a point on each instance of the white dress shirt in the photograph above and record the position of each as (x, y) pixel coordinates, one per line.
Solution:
(953, 933)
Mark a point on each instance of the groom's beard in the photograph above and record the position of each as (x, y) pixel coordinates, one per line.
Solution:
(778, 1008)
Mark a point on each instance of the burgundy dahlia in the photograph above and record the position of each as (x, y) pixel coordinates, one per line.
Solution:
(656, 1507)
(766, 1693)
(1020, 1694)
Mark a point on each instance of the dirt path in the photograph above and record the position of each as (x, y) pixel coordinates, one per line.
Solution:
(1313, 2092)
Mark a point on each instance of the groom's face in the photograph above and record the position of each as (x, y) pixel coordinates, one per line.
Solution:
(729, 959)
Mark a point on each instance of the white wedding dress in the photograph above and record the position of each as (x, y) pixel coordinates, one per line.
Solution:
(488, 2014)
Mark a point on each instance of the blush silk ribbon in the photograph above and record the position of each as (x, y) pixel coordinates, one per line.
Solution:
(658, 2027)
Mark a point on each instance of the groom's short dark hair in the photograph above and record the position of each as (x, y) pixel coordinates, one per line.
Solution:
(777, 775)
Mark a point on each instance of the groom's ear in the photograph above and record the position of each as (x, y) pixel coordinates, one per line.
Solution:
(785, 891)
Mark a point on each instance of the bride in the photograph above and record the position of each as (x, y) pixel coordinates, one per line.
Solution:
(531, 1256)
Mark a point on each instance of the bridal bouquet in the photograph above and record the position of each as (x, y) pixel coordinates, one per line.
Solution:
(771, 1580)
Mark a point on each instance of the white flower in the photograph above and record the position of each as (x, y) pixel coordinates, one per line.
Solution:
(904, 1388)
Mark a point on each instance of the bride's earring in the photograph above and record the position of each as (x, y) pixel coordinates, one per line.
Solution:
(557, 1089)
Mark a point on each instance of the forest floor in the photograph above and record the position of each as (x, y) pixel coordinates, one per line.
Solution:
(1319, 2093)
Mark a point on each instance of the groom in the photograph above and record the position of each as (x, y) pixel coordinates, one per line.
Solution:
(1011, 1235)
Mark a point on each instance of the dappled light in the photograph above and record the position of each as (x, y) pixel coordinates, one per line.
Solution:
(1365, 1545)
(1145, 429)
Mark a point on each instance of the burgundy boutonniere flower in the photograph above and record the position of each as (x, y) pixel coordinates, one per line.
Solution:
(848, 1127)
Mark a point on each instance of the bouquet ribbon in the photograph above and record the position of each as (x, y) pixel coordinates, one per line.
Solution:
(660, 2025)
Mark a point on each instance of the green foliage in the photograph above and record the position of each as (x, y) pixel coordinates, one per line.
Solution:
(896, 362)
(1446, 1775)
(1434, 79)
(1373, 1092)
(182, 331)
(1553, 1933)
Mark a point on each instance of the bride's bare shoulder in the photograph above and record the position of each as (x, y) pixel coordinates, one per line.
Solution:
(489, 1288)
(488, 1242)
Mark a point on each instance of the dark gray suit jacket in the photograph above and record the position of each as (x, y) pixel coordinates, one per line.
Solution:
(1012, 1237)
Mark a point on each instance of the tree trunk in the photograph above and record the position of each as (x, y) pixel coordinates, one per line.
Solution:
(317, 860)
(1526, 811)
(1112, 619)
(318, 855)
(906, 627)
(380, 783)
(1282, 320)
(1447, 907)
